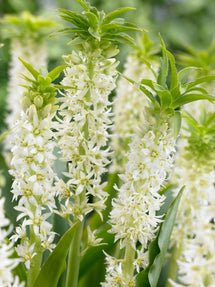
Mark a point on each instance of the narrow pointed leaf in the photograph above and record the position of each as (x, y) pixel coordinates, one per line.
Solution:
(158, 247)
(55, 263)
(33, 72)
(93, 20)
(184, 73)
(174, 74)
(210, 119)
(141, 87)
(74, 17)
(111, 16)
(121, 38)
(54, 74)
(200, 81)
(77, 41)
(164, 66)
(116, 28)
(180, 101)
(197, 89)
(83, 4)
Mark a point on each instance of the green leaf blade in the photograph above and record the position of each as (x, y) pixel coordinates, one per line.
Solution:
(111, 16)
(180, 101)
(54, 74)
(28, 66)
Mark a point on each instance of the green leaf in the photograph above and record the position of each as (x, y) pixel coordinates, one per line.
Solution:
(141, 87)
(174, 74)
(93, 20)
(164, 66)
(199, 81)
(190, 120)
(120, 38)
(210, 119)
(75, 18)
(83, 4)
(177, 123)
(111, 16)
(115, 28)
(180, 101)
(33, 72)
(77, 41)
(54, 74)
(164, 95)
(56, 262)
(158, 247)
(184, 73)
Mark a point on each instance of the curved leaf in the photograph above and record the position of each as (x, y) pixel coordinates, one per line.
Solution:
(111, 16)
(55, 264)
(54, 74)
(180, 101)
(33, 72)
(158, 247)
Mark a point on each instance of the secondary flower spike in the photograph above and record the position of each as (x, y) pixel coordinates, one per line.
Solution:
(32, 163)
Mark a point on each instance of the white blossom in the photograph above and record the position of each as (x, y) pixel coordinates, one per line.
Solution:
(194, 230)
(7, 264)
(83, 130)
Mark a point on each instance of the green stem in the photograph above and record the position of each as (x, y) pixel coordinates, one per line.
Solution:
(36, 260)
(127, 264)
(173, 267)
(74, 257)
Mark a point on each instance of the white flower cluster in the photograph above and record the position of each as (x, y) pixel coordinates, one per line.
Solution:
(7, 264)
(134, 217)
(34, 54)
(115, 276)
(83, 130)
(129, 105)
(194, 230)
(32, 163)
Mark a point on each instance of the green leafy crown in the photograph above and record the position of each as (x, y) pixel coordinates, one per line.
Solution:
(26, 26)
(172, 89)
(94, 25)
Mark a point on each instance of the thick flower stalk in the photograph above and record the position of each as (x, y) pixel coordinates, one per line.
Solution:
(193, 238)
(32, 162)
(7, 264)
(129, 103)
(134, 216)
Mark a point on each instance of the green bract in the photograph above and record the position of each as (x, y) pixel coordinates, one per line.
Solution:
(201, 137)
(41, 92)
(96, 27)
(172, 94)
(203, 60)
(26, 26)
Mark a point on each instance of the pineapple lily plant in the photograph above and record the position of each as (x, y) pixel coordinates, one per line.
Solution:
(112, 189)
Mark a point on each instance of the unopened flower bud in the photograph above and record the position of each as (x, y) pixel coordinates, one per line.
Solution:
(38, 101)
